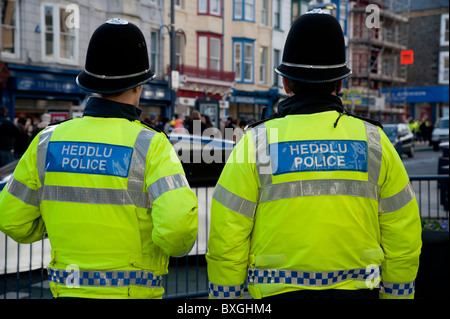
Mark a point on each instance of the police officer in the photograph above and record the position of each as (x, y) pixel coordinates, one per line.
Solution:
(314, 202)
(8, 134)
(109, 190)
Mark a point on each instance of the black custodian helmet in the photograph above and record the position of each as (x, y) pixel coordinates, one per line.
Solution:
(315, 50)
(116, 59)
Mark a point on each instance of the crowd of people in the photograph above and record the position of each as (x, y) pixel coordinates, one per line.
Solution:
(15, 136)
(421, 129)
(196, 123)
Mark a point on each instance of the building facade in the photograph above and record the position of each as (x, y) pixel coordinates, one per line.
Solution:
(378, 32)
(43, 49)
(428, 77)
(226, 51)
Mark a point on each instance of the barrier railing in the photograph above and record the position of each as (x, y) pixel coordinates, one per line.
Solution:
(23, 274)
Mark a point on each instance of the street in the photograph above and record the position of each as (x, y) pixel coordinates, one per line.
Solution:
(424, 162)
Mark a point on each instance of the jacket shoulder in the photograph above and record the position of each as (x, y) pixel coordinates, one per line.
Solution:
(258, 123)
(153, 128)
(367, 120)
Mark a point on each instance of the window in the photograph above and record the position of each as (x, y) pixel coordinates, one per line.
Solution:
(154, 51)
(277, 14)
(444, 29)
(60, 40)
(298, 8)
(10, 28)
(179, 4)
(443, 68)
(179, 45)
(209, 52)
(243, 60)
(263, 66)
(244, 10)
(211, 7)
(276, 62)
(265, 12)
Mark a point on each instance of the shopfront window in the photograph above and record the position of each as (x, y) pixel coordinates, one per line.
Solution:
(10, 28)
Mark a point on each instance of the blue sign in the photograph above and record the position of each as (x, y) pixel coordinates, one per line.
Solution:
(25, 84)
(425, 94)
(89, 158)
(307, 156)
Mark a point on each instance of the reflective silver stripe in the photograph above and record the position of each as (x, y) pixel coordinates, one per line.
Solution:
(136, 177)
(117, 77)
(310, 278)
(133, 195)
(319, 67)
(375, 153)
(234, 202)
(105, 279)
(226, 292)
(23, 192)
(263, 164)
(166, 184)
(44, 140)
(101, 196)
(399, 200)
(370, 189)
(318, 188)
(397, 289)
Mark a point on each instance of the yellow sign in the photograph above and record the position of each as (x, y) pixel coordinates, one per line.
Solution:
(350, 97)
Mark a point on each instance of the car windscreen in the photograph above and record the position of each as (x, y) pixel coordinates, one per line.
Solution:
(443, 123)
(391, 132)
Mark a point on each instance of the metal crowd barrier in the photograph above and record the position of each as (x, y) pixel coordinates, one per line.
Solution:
(23, 274)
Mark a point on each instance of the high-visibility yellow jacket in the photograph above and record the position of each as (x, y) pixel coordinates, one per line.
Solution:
(302, 204)
(113, 197)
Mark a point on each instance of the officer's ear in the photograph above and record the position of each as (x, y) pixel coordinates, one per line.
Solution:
(286, 87)
(339, 87)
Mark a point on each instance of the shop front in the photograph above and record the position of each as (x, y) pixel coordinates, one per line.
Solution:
(32, 91)
(155, 100)
(251, 105)
(425, 103)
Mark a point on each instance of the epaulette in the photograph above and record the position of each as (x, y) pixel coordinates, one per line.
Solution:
(153, 128)
(371, 121)
(255, 124)
(60, 122)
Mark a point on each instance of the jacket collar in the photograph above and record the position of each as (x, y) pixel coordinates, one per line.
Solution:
(304, 104)
(98, 107)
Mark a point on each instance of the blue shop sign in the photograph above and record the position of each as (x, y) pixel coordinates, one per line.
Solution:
(26, 84)
(426, 94)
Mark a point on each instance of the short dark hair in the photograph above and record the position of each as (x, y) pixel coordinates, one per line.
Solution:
(3, 110)
(307, 88)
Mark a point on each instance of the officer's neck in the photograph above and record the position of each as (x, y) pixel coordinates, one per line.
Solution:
(131, 96)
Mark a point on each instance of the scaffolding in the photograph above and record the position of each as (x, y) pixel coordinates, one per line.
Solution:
(374, 52)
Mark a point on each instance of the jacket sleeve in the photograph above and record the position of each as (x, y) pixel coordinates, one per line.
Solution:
(400, 225)
(20, 216)
(174, 205)
(232, 215)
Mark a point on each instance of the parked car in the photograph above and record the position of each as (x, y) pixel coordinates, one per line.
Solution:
(440, 133)
(6, 172)
(401, 137)
(203, 158)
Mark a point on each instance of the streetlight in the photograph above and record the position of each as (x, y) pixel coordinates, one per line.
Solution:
(174, 74)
